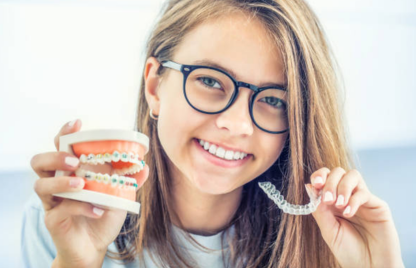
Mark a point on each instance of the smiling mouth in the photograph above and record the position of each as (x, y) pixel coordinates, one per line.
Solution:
(222, 153)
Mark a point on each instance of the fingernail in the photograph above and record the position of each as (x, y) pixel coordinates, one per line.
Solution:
(328, 197)
(72, 123)
(71, 161)
(347, 210)
(75, 182)
(340, 200)
(318, 180)
(98, 211)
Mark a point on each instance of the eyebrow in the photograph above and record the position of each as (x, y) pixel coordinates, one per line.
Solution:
(210, 63)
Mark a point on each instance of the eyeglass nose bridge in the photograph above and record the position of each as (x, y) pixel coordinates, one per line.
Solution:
(239, 84)
(247, 85)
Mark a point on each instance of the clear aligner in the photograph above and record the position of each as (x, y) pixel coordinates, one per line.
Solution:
(115, 180)
(286, 207)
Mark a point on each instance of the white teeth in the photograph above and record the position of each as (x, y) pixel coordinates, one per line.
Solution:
(125, 157)
(83, 158)
(91, 159)
(107, 157)
(100, 159)
(212, 149)
(206, 145)
(89, 175)
(221, 152)
(229, 155)
(121, 180)
(99, 177)
(116, 156)
(130, 170)
(115, 180)
(132, 158)
(106, 178)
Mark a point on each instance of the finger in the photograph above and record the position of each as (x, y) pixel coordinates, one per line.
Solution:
(356, 200)
(346, 187)
(56, 218)
(46, 187)
(327, 222)
(68, 128)
(45, 164)
(329, 192)
(318, 177)
(141, 176)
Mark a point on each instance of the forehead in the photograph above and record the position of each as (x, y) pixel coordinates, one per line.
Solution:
(237, 42)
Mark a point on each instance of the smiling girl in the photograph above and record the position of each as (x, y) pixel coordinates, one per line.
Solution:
(233, 93)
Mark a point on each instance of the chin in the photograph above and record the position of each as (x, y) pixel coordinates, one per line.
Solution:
(214, 185)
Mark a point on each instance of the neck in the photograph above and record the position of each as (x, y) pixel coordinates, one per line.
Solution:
(202, 213)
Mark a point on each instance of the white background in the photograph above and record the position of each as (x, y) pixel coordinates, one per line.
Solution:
(61, 60)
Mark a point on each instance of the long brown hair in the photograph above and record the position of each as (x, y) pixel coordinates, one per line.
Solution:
(263, 236)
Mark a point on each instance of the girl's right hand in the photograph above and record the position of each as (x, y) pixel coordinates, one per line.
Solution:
(80, 231)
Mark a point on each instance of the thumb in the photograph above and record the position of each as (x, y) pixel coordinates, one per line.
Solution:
(68, 128)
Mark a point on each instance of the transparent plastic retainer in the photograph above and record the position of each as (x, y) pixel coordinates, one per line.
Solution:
(288, 208)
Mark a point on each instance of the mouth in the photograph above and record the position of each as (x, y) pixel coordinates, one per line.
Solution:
(110, 167)
(220, 156)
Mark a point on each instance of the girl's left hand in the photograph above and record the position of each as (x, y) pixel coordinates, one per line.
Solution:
(349, 215)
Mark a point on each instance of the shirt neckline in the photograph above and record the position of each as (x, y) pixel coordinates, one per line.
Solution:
(211, 241)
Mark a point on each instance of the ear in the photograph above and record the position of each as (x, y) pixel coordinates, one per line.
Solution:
(152, 81)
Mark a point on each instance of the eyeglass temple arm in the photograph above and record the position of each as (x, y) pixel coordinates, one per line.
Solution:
(172, 65)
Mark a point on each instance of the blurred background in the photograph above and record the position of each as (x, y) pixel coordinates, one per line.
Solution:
(62, 60)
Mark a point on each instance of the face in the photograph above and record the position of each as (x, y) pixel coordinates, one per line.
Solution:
(241, 46)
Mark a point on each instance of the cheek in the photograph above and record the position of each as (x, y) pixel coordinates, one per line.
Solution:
(170, 128)
(175, 124)
(272, 148)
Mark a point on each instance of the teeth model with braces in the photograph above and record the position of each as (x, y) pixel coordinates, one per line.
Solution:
(115, 157)
(114, 180)
(279, 200)
(108, 158)
(110, 164)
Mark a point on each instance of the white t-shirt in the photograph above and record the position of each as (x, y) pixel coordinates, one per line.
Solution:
(38, 249)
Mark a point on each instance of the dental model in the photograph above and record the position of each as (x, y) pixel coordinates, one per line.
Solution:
(110, 161)
(279, 200)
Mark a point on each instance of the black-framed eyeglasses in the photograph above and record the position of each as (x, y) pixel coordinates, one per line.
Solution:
(211, 90)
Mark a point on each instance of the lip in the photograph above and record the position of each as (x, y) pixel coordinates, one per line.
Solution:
(218, 161)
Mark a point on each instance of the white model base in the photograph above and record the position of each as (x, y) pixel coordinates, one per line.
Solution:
(103, 200)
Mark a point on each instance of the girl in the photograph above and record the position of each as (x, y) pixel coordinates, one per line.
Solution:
(233, 93)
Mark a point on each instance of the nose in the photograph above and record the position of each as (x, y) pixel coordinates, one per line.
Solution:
(237, 117)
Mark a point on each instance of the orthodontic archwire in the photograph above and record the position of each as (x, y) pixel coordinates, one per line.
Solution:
(286, 207)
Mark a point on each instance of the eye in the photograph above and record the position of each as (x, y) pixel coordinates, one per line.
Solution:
(274, 102)
(210, 82)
